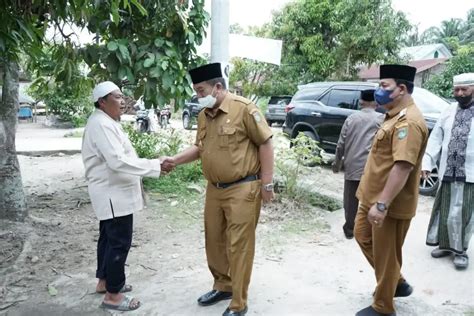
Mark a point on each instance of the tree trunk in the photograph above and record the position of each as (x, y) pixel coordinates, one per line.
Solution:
(12, 196)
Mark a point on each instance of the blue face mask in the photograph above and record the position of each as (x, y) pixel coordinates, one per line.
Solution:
(382, 96)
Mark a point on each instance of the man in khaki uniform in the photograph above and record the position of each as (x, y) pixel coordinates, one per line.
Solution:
(234, 143)
(388, 191)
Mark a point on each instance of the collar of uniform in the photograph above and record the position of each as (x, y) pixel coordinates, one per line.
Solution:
(407, 102)
(367, 110)
(224, 107)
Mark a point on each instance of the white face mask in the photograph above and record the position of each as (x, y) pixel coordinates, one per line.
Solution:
(208, 101)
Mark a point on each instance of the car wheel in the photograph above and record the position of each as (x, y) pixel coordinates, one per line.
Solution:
(187, 121)
(430, 185)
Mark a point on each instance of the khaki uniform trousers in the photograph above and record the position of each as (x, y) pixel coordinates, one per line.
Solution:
(382, 246)
(230, 219)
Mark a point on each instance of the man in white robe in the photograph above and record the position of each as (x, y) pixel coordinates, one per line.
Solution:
(113, 172)
(451, 143)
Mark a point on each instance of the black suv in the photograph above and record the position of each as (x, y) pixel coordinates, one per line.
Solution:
(320, 109)
(191, 110)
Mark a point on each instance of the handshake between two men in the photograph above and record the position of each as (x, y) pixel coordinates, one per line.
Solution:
(167, 164)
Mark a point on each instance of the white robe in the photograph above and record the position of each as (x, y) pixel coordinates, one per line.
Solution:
(113, 169)
(437, 148)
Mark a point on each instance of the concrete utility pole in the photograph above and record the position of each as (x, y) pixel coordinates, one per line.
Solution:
(220, 35)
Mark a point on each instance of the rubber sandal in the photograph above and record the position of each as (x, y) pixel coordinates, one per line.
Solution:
(124, 305)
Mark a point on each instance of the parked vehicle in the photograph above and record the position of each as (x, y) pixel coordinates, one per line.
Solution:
(190, 112)
(275, 112)
(25, 113)
(164, 116)
(143, 121)
(320, 109)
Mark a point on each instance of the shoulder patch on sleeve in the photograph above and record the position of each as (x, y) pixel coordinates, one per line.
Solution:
(402, 132)
(256, 116)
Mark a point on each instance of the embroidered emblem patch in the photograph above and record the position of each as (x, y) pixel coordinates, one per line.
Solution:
(257, 117)
(402, 133)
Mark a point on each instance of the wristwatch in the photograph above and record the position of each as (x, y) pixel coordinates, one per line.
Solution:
(268, 187)
(381, 207)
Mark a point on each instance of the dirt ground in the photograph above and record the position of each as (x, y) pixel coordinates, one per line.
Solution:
(303, 264)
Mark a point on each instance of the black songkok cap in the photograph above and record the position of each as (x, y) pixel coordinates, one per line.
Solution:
(367, 95)
(206, 72)
(401, 72)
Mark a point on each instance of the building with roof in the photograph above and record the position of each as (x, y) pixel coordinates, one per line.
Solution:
(428, 60)
(425, 52)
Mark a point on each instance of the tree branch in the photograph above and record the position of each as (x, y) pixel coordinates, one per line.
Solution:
(62, 32)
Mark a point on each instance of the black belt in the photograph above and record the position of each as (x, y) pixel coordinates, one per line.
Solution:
(221, 185)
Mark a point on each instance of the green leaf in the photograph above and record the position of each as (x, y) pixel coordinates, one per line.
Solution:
(155, 72)
(167, 81)
(188, 90)
(112, 46)
(130, 75)
(114, 10)
(149, 62)
(164, 65)
(169, 52)
(159, 42)
(191, 37)
(122, 72)
(124, 52)
(139, 7)
(52, 290)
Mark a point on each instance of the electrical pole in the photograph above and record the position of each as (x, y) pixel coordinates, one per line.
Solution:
(220, 35)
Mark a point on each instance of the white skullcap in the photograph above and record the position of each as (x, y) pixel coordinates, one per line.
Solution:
(466, 79)
(102, 89)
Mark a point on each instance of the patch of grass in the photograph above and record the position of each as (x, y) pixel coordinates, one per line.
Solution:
(322, 201)
(76, 134)
(177, 181)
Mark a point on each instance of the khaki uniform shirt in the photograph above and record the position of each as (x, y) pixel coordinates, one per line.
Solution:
(228, 142)
(113, 169)
(355, 141)
(402, 137)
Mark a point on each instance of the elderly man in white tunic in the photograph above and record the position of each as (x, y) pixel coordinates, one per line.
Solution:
(452, 144)
(113, 172)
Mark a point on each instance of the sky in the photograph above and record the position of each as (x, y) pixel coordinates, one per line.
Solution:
(425, 13)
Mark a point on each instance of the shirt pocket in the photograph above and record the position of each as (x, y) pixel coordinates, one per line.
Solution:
(382, 142)
(227, 136)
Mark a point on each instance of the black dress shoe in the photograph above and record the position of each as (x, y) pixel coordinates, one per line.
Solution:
(228, 312)
(348, 234)
(370, 311)
(403, 289)
(212, 297)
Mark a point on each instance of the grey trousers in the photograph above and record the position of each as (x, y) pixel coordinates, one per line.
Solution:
(351, 204)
